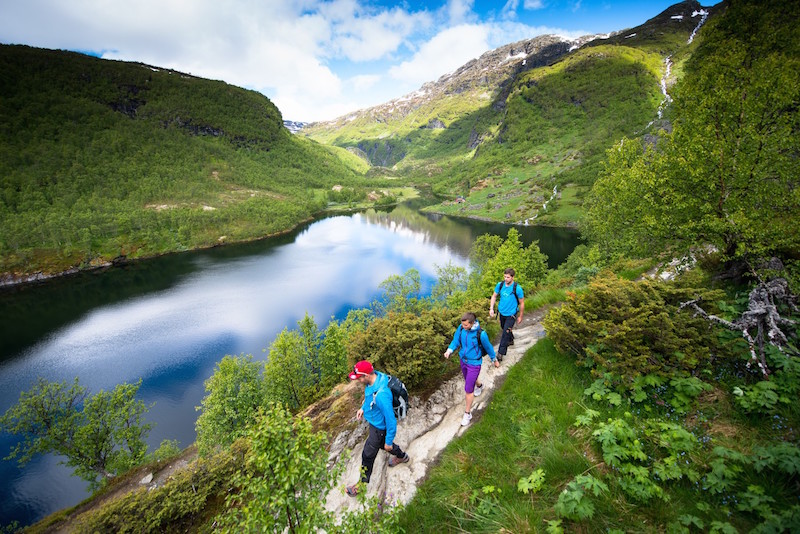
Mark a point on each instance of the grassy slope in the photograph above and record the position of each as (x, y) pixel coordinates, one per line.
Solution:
(103, 158)
(529, 425)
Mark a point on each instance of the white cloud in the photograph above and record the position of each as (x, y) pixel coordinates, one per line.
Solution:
(290, 50)
(533, 4)
(509, 10)
(362, 34)
(459, 11)
(364, 81)
(444, 53)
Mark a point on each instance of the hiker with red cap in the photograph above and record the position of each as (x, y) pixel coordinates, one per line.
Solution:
(377, 410)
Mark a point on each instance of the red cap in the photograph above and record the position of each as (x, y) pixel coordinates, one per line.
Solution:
(362, 368)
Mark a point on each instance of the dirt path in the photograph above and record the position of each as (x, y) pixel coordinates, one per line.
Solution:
(428, 428)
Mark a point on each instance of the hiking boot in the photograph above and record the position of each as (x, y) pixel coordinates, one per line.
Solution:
(500, 358)
(352, 491)
(394, 460)
(466, 419)
(478, 390)
(510, 342)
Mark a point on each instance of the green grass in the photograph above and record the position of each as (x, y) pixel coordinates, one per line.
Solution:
(530, 425)
(543, 297)
(526, 426)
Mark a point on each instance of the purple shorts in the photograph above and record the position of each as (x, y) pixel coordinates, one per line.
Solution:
(470, 373)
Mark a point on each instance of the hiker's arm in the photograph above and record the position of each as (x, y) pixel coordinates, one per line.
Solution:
(385, 406)
(453, 345)
(489, 348)
(521, 310)
(491, 304)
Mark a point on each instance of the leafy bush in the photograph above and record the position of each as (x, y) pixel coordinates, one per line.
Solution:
(529, 262)
(407, 345)
(285, 479)
(573, 502)
(233, 394)
(626, 330)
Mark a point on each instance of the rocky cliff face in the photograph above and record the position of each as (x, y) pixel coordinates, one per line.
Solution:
(486, 77)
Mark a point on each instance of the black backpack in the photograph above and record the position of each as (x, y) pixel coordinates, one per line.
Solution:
(481, 350)
(399, 396)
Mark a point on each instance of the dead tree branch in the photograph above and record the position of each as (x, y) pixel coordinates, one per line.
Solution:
(761, 323)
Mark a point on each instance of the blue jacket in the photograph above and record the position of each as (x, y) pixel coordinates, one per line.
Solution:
(509, 303)
(467, 342)
(378, 409)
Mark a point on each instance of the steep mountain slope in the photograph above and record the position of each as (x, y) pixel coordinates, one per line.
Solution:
(390, 132)
(101, 159)
(528, 124)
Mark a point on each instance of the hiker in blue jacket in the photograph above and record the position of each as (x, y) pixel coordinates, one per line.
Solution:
(466, 339)
(377, 410)
(509, 309)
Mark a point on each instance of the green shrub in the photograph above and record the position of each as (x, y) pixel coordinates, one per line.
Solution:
(180, 505)
(233, 394)
(407, 345)
(624, 330)
(285, 479)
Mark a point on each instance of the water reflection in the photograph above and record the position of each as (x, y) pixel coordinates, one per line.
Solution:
(169, 320)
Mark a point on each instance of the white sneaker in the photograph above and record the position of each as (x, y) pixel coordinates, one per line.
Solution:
(466, 419)
(478, 390)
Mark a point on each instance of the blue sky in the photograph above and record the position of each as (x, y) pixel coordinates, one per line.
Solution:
(316, 60)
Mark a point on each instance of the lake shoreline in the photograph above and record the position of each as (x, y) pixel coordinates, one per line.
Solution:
(10, 281)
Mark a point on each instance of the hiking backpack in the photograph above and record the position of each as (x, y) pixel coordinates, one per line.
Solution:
(399, 396)
(481, 349)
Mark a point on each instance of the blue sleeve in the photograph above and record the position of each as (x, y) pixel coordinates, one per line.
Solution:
(384, 402)
(487, 345)
(520, 293)
(456, 342)
(497, 288)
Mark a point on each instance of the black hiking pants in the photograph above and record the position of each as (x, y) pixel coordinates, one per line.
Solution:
(507, 322)
(375, 441)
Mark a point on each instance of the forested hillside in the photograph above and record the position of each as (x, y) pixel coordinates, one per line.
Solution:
(529, 123)
(104, 159)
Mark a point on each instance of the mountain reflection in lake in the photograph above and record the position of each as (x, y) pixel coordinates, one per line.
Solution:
(169, 320)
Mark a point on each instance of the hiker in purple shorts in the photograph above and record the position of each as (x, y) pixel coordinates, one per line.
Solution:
(472, 343)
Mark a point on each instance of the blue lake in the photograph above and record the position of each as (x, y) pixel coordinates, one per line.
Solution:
(168, 320)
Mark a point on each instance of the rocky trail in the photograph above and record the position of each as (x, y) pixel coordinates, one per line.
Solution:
(427, 430)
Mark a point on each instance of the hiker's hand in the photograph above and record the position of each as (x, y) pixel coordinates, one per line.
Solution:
(447, 353)
(491, 312)
(360, 414)
(519, 319)
(496, 363)
(387, 448)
